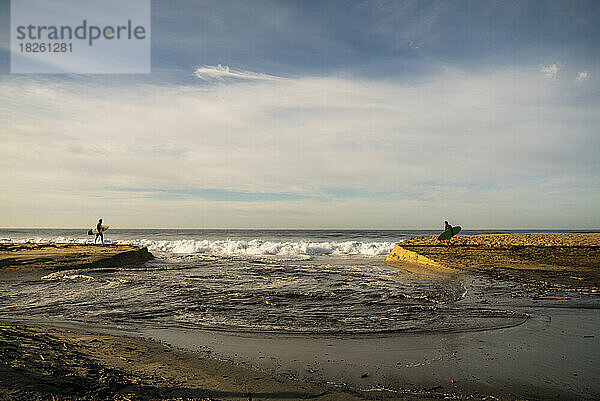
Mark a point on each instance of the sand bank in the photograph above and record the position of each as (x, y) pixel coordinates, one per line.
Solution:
(32, 257)
(557, 260)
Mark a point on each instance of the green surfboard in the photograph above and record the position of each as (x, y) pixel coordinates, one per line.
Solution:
(449, 233)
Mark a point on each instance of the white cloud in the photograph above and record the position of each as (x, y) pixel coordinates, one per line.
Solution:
(467, 144)
(220, 73)
(582, 76)
(550, 70)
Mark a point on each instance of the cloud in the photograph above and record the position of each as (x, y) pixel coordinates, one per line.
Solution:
(413, 45)
(582, 76)
(220, 73)
(213, 194)
(550, 70)
(339, 151)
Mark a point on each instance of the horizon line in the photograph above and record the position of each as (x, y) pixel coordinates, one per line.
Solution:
(300, 229)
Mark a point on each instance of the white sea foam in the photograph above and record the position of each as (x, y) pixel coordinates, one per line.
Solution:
(257, 247)
(254, 248)
(57, 276)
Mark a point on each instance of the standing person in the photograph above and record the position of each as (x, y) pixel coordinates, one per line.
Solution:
(99, 233)
(448, 233)
(446, 227)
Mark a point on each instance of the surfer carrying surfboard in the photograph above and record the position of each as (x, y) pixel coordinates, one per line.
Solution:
(449, 232)
(448, 226)
(100, 232)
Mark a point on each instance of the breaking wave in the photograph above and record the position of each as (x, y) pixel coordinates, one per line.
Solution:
(257, 247)
(253, 248)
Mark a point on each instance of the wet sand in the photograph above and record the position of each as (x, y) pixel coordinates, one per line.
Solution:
(44, 362)
(555, 354)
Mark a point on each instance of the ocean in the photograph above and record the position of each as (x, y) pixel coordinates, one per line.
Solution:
(256, 281)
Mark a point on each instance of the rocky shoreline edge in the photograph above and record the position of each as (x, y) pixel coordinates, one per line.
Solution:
(51, 257)
(567, 261)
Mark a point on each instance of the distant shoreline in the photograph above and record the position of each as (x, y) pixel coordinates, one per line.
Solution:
(435, 229)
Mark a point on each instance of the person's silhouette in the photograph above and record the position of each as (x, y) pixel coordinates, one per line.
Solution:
(99, 233)
(447, 226)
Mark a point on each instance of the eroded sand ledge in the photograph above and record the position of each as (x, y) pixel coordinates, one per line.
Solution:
(23, 257)
(564, 259)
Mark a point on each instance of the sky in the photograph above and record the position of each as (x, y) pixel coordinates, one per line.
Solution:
(313, 114)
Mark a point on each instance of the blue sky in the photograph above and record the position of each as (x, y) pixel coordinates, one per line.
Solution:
(302, 114)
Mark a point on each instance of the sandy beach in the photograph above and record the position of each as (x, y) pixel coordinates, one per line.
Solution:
(45, 362)
(544, 345)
